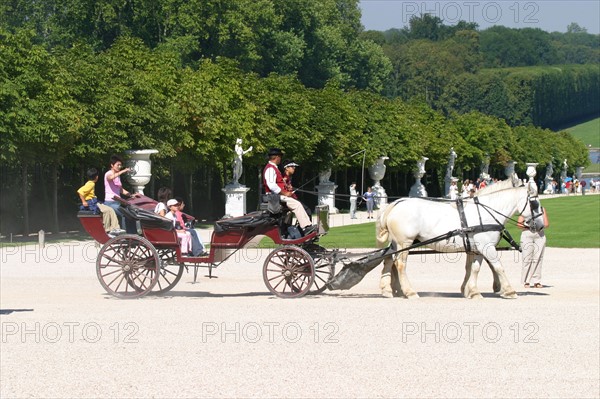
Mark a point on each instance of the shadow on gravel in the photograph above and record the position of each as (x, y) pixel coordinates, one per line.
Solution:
(200, 294)
(9, 311)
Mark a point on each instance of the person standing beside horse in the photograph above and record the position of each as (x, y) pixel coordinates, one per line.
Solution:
(533, 243)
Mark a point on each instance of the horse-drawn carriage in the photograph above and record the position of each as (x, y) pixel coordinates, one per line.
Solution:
(132, 265)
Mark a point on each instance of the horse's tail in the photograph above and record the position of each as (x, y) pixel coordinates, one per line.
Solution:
(382, 233)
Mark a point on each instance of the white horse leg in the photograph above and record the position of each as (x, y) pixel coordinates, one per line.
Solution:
(506, 290)
(400, 264)
(496, 284)
(468, 265)
(386, 278)
(396, 288)
(469, 286)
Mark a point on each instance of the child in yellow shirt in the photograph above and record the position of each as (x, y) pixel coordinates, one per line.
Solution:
(89, 202)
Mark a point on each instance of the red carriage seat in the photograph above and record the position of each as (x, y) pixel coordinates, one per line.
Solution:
(92, 223)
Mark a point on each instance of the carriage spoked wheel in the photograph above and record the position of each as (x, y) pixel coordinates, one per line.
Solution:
(324, 268)
(170, 271)
(128, 266)
(324, 271)
(289, 272)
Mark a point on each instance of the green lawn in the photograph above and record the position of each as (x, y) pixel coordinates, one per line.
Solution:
(588, 132)
(574, 223)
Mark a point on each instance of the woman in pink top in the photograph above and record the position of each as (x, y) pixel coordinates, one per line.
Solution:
(114, 188)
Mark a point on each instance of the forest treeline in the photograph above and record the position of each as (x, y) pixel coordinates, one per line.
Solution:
(525, 76)
(80, 80)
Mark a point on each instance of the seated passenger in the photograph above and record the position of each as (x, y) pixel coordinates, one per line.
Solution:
(186, 238)
(89, 202)
(197, 245)
(289, 168)
(164, 194)
(273, 182)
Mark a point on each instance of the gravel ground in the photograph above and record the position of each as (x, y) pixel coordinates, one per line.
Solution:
(63, 336)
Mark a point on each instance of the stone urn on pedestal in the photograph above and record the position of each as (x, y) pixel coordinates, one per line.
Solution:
(326, 191)
(377, 172)
(418, 189)
(531, 172)
(141, 168)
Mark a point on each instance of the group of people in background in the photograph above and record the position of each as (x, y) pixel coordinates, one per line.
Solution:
(469, 188)
(368, 196)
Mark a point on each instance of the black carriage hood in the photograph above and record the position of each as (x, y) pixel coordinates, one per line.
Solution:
(147, 218)
(252, 219)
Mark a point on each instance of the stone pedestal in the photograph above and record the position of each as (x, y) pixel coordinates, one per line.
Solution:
(381, 199)
(141, 168)
(326, 192)
(235, 199)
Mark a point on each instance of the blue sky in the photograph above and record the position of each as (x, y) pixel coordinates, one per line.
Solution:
(549, 15)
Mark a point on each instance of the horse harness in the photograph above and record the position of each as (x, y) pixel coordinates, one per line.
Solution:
(466, 231)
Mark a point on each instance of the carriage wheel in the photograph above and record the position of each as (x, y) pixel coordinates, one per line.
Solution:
(324, 271)
(324, 268)
(289, 272)
(170, 271)
(124, 265)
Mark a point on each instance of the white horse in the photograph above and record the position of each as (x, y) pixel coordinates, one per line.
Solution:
(410, 219)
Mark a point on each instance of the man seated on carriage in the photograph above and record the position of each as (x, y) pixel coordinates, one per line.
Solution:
(273, 183)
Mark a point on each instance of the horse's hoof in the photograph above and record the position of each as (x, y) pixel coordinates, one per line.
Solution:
(509, 295)
(412, 295)
(387, 294)
(475, 295)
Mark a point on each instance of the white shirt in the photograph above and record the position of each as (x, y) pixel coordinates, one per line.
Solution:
(161, 207)
(271, 179)
(353, 193)
(452, 191)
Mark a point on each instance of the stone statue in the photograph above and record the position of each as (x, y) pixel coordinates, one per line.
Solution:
(324, 177)
(237, 161)
(563, 173)
(451, 160)
(485, 166)
(449, 169)
(548, 186)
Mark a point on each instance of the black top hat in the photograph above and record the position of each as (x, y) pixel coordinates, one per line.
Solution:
(275, 151)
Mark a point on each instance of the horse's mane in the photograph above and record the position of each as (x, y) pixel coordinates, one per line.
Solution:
(499, 186)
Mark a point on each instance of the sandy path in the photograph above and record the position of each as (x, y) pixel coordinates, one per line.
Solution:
(62, 336)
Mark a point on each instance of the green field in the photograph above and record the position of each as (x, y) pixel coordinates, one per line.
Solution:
(574, 223)
(588, 132)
